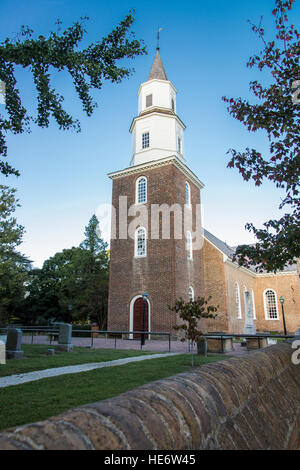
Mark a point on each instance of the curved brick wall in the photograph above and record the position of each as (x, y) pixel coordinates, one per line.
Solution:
(251, 402)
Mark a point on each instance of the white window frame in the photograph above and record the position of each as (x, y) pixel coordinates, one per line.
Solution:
(137, 190)
(179, 144)
(144, 140)
(238, 300)
(191, 293)
(267, 317)
(136, 238)
(189, 245)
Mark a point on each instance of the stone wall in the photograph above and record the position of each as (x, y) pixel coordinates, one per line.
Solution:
(250, 402)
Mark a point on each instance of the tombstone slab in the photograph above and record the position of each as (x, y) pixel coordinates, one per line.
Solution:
(2, 352)
(64, 338)
(13, 344)
(249, 328)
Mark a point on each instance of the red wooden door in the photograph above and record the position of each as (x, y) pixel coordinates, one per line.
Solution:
(138, 312)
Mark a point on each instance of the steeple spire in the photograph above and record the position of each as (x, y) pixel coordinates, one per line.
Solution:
(157, 70)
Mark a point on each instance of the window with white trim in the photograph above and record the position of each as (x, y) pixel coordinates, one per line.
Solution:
(140, 242)
(179, 144)
(145, 140)
(270, 302)
(187, 193)
(173, 104)
(238, 300)
(141, 190)
(191, 293)
(189, 245)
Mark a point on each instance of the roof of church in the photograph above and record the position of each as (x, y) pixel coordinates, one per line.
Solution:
(229, 251)
(157, 71)
(219, 243)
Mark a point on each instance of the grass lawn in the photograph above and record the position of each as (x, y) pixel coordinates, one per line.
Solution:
(36, 358)
(35, 401)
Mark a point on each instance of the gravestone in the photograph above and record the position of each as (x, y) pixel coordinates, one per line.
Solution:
(13, 344)
(2, 352)
(65, 338)
(249, 328)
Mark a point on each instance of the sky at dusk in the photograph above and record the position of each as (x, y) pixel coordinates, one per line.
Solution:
(205, 46)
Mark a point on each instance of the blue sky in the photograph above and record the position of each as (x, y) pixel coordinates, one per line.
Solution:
(204, 48)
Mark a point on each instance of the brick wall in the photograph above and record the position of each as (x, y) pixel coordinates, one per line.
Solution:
(214, 286)
(285, 285)
(165, 273)
(245, 280)
(251, 402)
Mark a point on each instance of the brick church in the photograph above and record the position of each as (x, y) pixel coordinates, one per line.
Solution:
(158, 246)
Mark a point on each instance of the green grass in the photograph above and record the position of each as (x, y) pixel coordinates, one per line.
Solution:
(35, 401)
(36, 358)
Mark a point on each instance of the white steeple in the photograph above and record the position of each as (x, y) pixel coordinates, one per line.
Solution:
(157, 132)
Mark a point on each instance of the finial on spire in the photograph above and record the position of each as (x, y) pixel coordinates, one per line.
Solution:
(158, 31)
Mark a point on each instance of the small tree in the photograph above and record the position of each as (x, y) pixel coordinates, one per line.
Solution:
(191, 312)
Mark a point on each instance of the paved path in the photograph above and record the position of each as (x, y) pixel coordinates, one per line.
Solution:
(55, 371)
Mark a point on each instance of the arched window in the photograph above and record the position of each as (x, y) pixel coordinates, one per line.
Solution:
(270, 302)
(191, 293)
(189, 245)
(187, 193)
(140, 242)
(238, 300)
(141, 190)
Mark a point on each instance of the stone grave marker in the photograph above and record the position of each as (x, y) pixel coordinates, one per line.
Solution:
(13, 344)
(65, 338)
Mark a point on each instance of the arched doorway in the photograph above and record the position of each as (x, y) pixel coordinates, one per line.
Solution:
(136, 316)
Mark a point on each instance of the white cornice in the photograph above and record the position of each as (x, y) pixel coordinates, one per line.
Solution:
(155, 113)
(157, 80)
(173, 159)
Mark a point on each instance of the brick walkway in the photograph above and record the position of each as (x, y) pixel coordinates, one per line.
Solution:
(110, 343)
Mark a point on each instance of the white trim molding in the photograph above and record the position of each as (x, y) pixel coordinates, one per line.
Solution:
(131, 315)
(267, 317)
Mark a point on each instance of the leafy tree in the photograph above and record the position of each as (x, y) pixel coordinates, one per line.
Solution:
(277, 111)
(88, 69)
(14, 266)
(191, 312)
(72, 285)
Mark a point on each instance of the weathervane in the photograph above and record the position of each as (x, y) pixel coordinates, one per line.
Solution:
(158, 31)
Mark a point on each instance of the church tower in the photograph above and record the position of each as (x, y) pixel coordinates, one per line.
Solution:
(155, 216)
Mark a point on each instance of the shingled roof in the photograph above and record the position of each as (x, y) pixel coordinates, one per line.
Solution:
(157, 70)
(229, 251)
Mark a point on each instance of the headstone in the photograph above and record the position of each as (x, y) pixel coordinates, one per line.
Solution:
(65, 338)
(2, 352)
(297, 332)
(13, 344)
(50, 352)
(249, 328)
